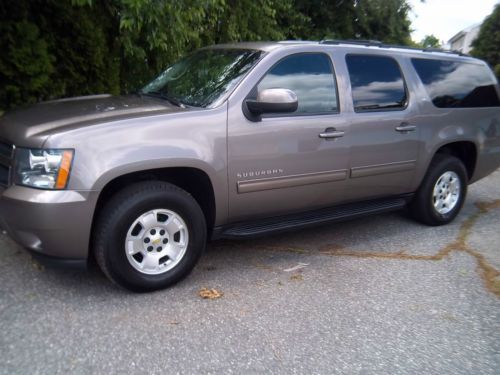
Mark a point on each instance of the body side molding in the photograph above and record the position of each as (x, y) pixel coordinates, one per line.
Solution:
(250, 186)
(373, 170)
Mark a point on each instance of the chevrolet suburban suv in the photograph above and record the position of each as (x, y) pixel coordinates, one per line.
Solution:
(241, 140)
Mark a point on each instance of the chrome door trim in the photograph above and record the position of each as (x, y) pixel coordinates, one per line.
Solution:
(373, 170)
(250, 186)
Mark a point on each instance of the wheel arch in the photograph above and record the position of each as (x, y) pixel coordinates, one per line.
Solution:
(465, 151)
(193, 180)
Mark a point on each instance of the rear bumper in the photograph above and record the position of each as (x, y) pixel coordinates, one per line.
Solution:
(51, 224)
(488, 162)
(488, 159)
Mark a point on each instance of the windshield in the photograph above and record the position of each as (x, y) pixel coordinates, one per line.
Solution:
(203, 77)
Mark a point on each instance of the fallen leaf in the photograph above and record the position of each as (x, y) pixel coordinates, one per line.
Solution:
(296, 277)
(210, 293)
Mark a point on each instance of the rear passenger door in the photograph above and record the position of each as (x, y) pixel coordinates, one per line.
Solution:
(384, 134)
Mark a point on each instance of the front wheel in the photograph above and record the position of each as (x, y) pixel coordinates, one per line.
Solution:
(442, 192)
(149, 236)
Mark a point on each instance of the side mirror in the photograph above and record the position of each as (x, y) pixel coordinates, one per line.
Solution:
(273, 101)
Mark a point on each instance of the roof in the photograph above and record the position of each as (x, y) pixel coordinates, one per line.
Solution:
(361, 44)
(262, 46)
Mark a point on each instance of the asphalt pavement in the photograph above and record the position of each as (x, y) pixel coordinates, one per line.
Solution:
(378, 295)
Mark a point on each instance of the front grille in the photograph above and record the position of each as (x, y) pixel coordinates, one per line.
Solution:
(6, 156)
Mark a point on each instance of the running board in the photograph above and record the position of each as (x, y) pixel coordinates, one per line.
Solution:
(327, 215)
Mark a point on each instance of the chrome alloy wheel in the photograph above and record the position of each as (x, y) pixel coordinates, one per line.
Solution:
(157, 241)
(446, 193)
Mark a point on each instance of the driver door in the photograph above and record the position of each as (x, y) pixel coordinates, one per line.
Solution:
(283, 162)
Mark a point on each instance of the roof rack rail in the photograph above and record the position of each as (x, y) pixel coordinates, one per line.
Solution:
(359, 42)
(433, 49)
(376, 43)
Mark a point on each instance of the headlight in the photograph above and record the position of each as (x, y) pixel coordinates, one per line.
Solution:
(43, 169)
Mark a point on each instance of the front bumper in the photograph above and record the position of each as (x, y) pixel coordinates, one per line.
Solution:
(51, 224)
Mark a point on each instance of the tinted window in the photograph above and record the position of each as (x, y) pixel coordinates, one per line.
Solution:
(457, 84)
(310, 76)
(377, 83)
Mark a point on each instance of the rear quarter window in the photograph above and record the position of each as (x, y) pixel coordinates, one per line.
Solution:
(452, 84)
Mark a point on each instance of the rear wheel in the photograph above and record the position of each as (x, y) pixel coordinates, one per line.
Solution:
(149, 236)
(442, 192)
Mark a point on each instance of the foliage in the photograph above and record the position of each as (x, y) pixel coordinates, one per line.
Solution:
(384, 20)
(430, 41)
(487, 44)
(54, 48)
(26, 64)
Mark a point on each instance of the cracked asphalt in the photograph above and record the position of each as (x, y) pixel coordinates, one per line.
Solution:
(377, 295)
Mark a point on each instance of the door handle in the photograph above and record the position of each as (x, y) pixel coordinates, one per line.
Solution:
(331, 133)
(405, 127)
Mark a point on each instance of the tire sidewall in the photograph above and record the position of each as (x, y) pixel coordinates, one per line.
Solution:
(115, 256)
(444, 165)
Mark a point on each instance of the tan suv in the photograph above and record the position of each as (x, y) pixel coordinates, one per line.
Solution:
(241, 140)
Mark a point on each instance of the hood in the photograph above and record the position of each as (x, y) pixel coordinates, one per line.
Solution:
(31, 126)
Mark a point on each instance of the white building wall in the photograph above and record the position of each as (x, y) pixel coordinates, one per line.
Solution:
(462, 41)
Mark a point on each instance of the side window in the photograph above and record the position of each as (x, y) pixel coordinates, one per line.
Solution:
(452, 84)
(377, 83)
(310, 76)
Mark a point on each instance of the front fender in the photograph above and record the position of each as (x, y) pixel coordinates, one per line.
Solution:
(194, 139)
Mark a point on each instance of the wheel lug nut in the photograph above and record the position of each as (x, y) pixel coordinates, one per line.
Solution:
(150, 248)
(147, 240)
(162, 232)
(153, 232)
(165, 241)
(158, 249)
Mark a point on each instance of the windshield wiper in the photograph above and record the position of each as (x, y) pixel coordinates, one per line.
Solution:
(162, 95)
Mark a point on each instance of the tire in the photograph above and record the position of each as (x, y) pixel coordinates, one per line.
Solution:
(149, 236)
(433, 207)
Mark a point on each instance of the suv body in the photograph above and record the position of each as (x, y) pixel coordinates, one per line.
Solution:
(251, 172)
